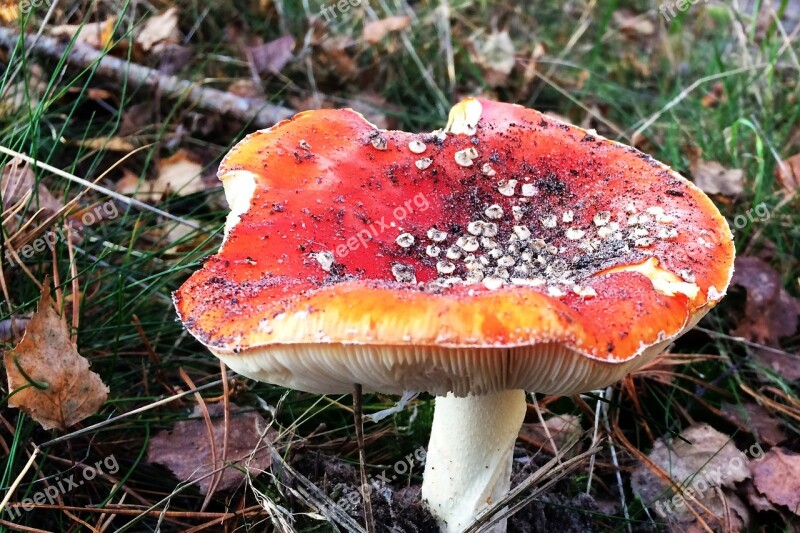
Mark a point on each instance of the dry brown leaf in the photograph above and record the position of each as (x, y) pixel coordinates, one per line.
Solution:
(633, 25)
(705, 470)
(129, 184)
(496, 56)
(9, 329)
(785, 365)
(186, 449)
(95, 34)
(17, 180)
(115, 144)
(246, 88)
(24, 94)
(67, 391)
(563, 429)
(711, 456)
(777, 477)
(788, 173)
(770, 312)
(713, 178)
(9, 11)
(715, 96)
(757, 501)
(271, 57)
(159, 31)
(180, 174)
(376, 30)
(334, 57)
(755, 419)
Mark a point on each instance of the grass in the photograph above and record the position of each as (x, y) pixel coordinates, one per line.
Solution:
(630, 86)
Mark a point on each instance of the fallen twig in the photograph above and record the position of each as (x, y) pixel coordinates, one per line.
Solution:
(261, 113)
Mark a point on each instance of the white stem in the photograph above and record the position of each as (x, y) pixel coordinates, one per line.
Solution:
(468, 465)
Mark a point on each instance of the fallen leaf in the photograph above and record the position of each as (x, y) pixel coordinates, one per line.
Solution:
(9, 11)
(785, 365)
(375, 30)
(755, 419)
(563, 429)
(68, 391)
(496, 56)
(713, 178)
(159, 31)
(8, 328)
(180, 173)
(334, 57)
(770, 312)
(705, 470)
(777, 477)
(711, 457)
(633, 25)
(173, 57)
(17, 180)
(788, 173)
(115, 144)
(98, 35)
(246, 88)
(186, 449)
(272, 56)
(756, 500)
(25, 94)
(715, 96)
(131, 185)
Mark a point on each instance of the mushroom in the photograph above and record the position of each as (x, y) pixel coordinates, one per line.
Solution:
(346, 260)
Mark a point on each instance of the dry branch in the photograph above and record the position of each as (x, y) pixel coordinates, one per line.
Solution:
(81, 55)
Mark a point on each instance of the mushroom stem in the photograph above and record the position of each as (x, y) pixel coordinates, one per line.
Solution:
(468, 464)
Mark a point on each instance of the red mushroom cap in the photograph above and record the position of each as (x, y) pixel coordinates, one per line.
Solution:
(509, 251)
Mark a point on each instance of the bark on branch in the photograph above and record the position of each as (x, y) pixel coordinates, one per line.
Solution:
(261, 113)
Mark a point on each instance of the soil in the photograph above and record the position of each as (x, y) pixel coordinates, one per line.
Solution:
(400, 509)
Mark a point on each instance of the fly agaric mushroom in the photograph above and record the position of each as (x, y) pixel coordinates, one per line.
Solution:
(509, 252)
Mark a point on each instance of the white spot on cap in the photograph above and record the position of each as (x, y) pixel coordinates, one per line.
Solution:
(584, 292)
(405, 240)
(445, 267)
(549, 221)
(490, 229)
(667, 233)
(574, 234)
(325, 260)
(468, 244)
(506, 188)
(568, 216)
(493, 283)
(475, 227)
(417, 147)
(379, 142)
(555, 292)
(522, 232)
(404, 273)
(528, 189)
(487, 170)
(423, 163)
(602, 218)
(436, 236)
(494, 212)
(464, 157)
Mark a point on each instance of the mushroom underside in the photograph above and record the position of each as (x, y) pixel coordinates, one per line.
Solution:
(548, 368)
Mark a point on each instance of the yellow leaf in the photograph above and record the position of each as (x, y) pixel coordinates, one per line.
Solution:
(376, 30)
(54, 383)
